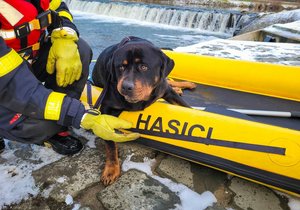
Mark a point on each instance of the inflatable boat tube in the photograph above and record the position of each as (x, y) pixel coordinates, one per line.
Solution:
(261, 151)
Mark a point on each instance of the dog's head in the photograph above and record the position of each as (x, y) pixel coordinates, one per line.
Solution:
(139, 67)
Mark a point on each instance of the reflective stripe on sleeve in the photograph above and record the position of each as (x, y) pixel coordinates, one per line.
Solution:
(9, 62)
(66, 15)
(54, 4)
(53, 106)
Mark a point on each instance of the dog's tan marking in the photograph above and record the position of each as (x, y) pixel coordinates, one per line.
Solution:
(141, 92)
(178, 86)
(125, 62)
(111, 171)
(182, 84)
(137, 60)
(119, 85)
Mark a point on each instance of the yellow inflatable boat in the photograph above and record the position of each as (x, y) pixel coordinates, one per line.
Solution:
(262, 146)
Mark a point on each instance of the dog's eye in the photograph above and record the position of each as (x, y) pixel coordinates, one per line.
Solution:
(143, 68)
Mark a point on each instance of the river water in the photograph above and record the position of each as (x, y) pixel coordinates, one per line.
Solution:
(103, 23)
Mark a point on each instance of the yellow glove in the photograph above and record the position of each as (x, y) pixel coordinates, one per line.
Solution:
(64, 56)
(103, 126)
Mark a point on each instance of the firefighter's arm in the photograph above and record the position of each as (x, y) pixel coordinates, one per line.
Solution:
(65, 17)
(21, 92)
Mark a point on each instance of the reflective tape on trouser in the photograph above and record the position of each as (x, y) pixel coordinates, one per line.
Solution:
(9, 62)
(53, 106)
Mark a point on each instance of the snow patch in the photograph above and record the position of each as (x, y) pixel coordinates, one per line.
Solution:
(69, 199)
(18, 161)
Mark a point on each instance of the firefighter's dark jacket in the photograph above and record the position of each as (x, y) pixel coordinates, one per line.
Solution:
(22, 95)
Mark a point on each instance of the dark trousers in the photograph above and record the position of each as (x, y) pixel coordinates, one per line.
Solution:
(36, 131)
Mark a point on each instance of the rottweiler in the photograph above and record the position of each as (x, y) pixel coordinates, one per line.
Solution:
(133, 75)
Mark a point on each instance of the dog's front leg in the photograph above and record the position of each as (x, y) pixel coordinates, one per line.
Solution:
(112, 168)
(173, 98)
(111, 171)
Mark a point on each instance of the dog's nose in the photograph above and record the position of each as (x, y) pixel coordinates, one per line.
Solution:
(127, 86)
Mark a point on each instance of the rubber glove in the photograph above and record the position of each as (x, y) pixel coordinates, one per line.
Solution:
(103, 126)
(64, 56)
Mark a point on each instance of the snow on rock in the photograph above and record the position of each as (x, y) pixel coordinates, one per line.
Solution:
(17, 162)
(270, 19)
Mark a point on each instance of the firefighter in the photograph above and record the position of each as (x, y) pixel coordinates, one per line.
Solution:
(44, 65)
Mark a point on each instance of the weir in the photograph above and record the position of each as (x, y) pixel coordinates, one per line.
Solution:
(195, 19)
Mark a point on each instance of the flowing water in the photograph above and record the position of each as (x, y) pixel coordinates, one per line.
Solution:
(103, 23)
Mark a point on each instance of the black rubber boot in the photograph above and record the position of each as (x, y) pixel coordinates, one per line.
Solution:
(2, 144)
(64, 144)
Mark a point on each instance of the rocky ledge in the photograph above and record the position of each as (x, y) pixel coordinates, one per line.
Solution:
(149, 180)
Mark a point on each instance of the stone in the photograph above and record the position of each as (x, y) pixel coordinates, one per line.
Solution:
(87, 198)
(138, 151)
(137, 191)
(224, 196)
(31, 204)
(176, 169)
(69, 175)
(250, 195)
(206, 178)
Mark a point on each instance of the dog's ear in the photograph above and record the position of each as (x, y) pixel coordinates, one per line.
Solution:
(112, 73)
(167, 66)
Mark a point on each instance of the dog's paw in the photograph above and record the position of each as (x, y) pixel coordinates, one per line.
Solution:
(178, 86)
(182, 84)
(190, 85)
(178, 90)
(110, 173)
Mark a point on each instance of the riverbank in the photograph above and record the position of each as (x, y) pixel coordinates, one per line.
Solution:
(150, 180)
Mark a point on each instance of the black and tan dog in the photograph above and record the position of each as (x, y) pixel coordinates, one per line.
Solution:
(133, 74)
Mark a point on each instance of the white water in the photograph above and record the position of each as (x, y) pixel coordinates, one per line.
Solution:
(214, 21)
